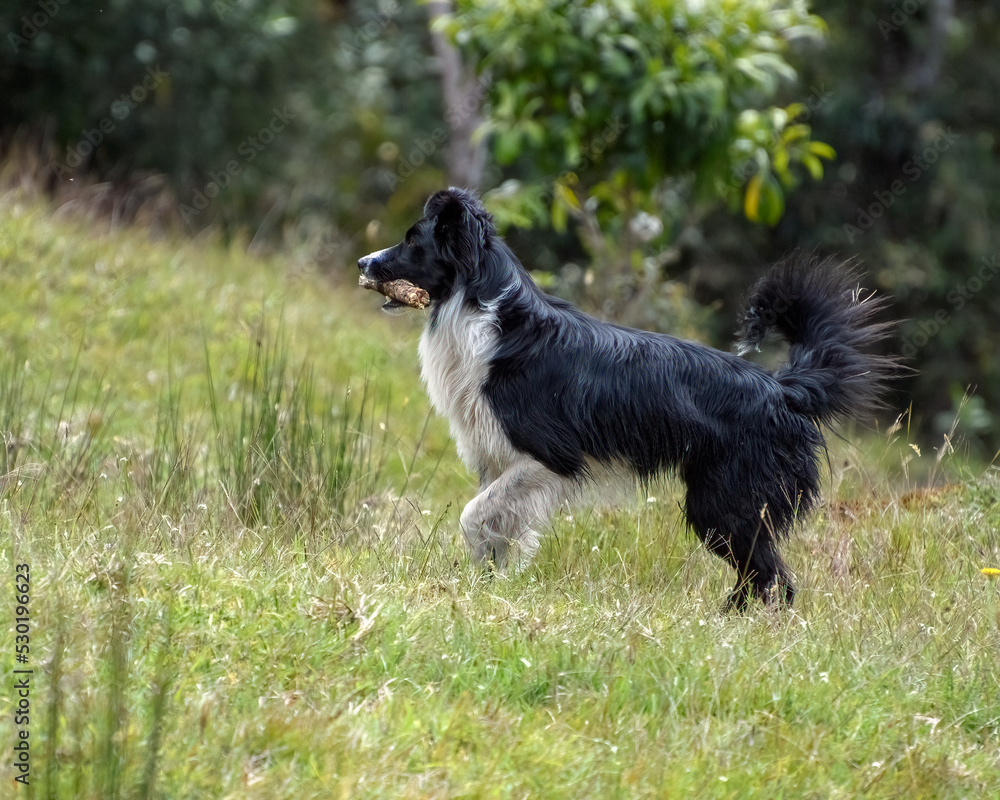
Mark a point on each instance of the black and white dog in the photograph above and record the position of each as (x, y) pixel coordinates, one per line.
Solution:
(544, 401)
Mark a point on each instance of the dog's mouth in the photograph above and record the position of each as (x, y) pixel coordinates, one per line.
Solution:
(394, 307)
(399, 293)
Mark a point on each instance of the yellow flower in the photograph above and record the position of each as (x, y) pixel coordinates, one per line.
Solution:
(990, 572)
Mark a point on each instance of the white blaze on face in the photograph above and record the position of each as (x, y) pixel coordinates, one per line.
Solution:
(374, 256)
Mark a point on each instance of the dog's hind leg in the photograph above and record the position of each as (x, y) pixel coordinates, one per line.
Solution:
(500, 524)
(743, 538)
(761, 574)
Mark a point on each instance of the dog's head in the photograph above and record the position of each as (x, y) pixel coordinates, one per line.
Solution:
(440, 250)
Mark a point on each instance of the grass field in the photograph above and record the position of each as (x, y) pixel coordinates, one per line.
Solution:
(244, 578)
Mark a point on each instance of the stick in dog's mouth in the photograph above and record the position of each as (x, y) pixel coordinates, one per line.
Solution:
(398, 291)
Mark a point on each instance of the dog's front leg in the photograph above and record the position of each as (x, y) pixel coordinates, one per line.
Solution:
(500, 524)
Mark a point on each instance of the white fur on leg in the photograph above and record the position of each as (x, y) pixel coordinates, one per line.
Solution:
(522, 551)
(500, 523)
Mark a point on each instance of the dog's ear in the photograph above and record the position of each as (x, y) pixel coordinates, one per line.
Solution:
(462, 225)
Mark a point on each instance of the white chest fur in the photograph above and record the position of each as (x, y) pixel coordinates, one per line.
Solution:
(454, 361)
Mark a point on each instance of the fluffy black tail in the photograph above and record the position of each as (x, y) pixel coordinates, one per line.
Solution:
(819, 307)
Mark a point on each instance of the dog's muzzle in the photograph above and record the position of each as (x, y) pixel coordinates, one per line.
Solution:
(365, 265)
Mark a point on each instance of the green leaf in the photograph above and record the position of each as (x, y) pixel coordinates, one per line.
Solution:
(507, 146)
(764, 201)
(566, 196)
(751, 200)
(821, 149)
(794, 133)
(560, 217)
(814, 165)
(780, 161)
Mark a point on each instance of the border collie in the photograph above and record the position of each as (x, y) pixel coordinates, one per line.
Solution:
(544, 401)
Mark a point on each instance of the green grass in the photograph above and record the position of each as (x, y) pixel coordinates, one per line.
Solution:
(246, 579)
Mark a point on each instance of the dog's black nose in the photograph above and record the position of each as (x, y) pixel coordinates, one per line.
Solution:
(365, 262)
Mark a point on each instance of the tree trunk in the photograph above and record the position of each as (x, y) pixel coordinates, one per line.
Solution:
(463, 98)
(926, 66)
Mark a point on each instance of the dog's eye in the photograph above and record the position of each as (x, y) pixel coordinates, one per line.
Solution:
(411, 237)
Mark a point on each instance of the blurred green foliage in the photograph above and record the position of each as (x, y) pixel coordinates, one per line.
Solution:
(910, 106)
(607, 100)
(651, 157)
(259, 111)
(618, 118)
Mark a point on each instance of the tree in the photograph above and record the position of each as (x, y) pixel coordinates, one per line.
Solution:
(626, 117)
(463, 93)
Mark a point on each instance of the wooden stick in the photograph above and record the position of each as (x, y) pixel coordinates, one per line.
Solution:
(399, 290)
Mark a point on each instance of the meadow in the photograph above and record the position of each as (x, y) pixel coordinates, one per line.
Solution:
(244, 577)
